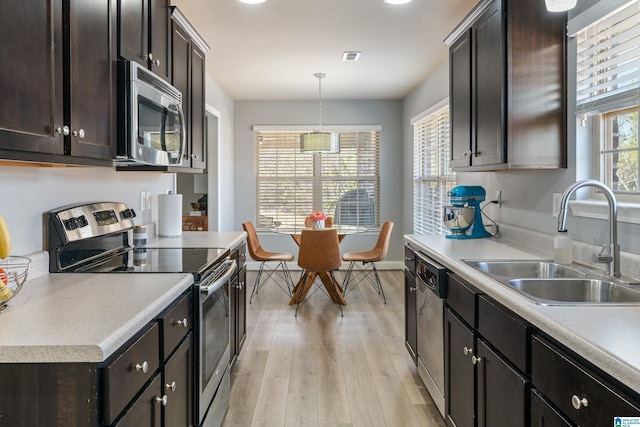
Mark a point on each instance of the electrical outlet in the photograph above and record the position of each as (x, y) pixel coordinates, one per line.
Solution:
(556, 203)
(499, 197)
(145, 201)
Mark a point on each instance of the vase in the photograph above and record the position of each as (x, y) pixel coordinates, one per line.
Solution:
(317, 225)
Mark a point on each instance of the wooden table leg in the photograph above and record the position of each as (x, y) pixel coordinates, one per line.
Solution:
(302, 288)
(333, 288)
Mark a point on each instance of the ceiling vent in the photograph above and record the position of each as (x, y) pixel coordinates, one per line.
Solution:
(351, 56)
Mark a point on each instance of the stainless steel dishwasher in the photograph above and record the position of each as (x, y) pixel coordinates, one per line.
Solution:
(431, 291)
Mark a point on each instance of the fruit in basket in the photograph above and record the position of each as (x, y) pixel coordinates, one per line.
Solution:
(4, 280)
(5, 239)
(5, 291)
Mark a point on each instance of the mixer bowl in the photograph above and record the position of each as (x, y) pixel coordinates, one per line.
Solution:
(458, 219)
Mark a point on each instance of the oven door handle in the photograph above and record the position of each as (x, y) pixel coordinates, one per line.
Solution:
(231, 266)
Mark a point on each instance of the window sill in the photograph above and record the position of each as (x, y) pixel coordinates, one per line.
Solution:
(627, 212)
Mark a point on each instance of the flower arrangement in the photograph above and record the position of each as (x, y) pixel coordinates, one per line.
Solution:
(318, 216)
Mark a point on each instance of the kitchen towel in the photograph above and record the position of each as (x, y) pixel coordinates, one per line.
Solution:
(170, 215)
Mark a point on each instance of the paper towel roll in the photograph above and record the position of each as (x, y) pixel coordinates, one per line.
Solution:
(170, 215)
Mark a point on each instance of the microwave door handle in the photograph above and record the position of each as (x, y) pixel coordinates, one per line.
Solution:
(163, 128)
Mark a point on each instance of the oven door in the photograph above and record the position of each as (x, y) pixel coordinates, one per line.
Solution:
(213, 343)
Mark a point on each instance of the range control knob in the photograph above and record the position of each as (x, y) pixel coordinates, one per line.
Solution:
(128, 213)
(82, 221)
(71, 223)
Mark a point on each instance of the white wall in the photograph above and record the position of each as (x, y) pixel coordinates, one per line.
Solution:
(388, 114)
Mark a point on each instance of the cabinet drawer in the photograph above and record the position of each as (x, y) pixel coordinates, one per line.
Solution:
(175, 324)
(562, 379)
(461, 297)
(410, 259)
(124, 376)
(507, 333)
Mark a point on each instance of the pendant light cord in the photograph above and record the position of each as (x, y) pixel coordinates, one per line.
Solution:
(320, 76)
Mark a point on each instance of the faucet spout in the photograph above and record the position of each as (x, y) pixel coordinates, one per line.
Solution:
(613, 260)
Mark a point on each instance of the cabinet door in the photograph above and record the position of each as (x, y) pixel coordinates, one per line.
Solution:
(160, 30)
(146, 410)
(459, 372)
(92, 82)
(502, 390)
(197, 137)
(410, 316)
(178, 386)
(545, 415)
(180, 63)
(460, 100)
(31, 34)
(133, 26)
(488, 65)
(233, 324)
(241, 305)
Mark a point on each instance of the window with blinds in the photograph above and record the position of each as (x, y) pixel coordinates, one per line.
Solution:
(608, 57)
(291, 184)
(432, 175)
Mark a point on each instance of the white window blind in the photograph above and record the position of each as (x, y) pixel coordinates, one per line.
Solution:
(608, 57)
(291, 184)
(432, 175)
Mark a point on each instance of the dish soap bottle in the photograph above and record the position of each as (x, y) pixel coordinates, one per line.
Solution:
(562, 248)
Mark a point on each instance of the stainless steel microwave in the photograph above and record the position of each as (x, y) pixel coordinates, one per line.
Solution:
(151, 124)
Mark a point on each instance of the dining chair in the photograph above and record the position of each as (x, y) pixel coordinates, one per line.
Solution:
(357, 273)
(267, 260)
(327, 222)
(319, 253)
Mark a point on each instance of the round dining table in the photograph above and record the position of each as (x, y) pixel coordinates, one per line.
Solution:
(301, 289)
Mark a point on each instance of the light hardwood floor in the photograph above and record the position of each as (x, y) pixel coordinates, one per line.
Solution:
(321, 369)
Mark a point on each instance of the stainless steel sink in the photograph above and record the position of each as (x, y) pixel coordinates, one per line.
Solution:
(550, 283)
(525, 269)
(575, 291)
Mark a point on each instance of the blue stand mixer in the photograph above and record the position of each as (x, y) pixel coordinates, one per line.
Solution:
(464, 217)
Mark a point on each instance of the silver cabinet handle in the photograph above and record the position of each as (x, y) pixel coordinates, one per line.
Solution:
(171, 386)
(475, 360)
(64, 130)
(467, 350)
(412, 288)
(579, 403)
(182, 322)
(79, 133)
(149, 56)
(157, 62)
(144, 367)
(240, 285)
(164, 399)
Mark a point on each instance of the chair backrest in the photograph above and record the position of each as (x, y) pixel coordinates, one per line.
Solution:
(253, 243)
(327, 222)
(382, 246)
(319, 250)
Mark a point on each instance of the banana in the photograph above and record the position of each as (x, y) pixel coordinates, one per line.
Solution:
(5, 239)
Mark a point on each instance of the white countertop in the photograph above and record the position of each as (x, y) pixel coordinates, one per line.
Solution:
(608, 337)
(199, 239)
(82, 317)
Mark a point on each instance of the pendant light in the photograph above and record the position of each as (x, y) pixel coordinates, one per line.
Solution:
(320, 142)
(560, 5)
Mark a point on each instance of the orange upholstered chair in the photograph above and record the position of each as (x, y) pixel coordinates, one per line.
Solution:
(278, 273)
(319, 253)
(370, 257)
(327, 222)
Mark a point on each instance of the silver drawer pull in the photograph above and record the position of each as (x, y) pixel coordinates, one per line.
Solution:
(467, 350)
(475, 360)
(182, 322)
(579, 403)
(240, 285)
(412, 289)
(164, 399)
(144, 367)
(171, 386)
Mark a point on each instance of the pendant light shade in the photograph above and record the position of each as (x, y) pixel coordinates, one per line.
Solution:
(560, 5)
(320, 142)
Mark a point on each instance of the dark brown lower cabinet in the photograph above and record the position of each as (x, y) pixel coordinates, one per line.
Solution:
(459, 341)
(502, 390)
(410, 314)
(179, 386)
(543, 414)
(146, 411)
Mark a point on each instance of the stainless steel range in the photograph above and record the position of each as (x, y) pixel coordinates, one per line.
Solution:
(94, 238)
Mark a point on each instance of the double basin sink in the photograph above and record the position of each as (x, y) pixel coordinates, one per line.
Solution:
(551, 283)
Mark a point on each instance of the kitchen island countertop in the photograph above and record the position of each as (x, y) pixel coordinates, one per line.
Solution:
(608, 337)
(199, 239)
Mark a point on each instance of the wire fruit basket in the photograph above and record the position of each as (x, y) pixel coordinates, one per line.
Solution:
(13, 274)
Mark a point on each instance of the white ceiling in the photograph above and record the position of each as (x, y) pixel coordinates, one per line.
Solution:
(271, 51)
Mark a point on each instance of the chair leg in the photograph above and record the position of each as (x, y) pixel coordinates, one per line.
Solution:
(273, 273)
(335, 285)
(378, 283)
(256, 286)
(361, 274)
(347, 277)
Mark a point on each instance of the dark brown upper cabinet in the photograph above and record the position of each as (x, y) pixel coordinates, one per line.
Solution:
(57, 103)
(507, 87)
(144, 29)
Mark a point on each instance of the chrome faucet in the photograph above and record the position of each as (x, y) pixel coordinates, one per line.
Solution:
(609, 254)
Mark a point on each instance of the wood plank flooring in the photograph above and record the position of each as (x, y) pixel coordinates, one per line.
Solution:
(321, 369)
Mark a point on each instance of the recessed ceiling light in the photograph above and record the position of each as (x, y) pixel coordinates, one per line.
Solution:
(252, 1)
(351, 55)
(397, 1)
